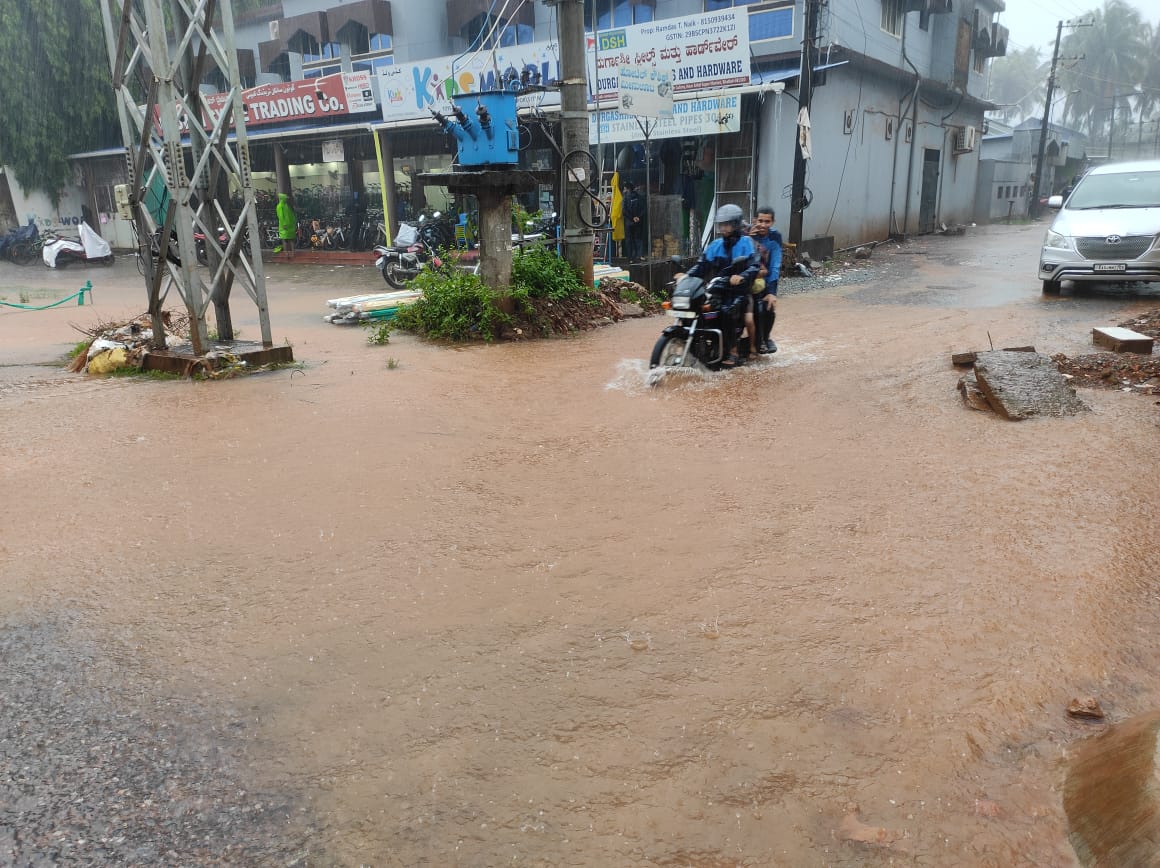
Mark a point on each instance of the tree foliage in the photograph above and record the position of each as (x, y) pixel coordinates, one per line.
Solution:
(58, 99)
(1112, 60)
(1018, 82)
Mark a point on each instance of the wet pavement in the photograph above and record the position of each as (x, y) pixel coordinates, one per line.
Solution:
(512, 603)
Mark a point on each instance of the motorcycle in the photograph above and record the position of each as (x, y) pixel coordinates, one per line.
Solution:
(403, 262)
(202, 252)
(703, 311)
(91, 248)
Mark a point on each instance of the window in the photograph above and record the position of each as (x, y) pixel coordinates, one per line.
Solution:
(616, 13)
(315, 72)
(516, 34)
(368, 53)
(893, 12)
(767, 20)
(770, 23)
(486, 31)
(999, 193)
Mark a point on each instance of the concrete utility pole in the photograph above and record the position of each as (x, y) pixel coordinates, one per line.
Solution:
(576, 211)
(805, 94)
(1043, 126)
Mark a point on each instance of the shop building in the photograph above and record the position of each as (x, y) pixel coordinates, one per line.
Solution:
(339, 108)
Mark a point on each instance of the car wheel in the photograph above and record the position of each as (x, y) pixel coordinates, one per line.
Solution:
(1052, 287)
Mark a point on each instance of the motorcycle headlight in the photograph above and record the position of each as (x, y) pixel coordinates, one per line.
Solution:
(680, 302)
(1056, 241)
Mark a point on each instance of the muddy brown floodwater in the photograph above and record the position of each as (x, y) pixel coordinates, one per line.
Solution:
(509, 604)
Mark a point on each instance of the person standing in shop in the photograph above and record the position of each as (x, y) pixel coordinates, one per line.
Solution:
(287, 224)
(635, 210)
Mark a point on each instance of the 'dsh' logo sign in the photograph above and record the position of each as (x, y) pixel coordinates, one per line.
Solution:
(613, 41)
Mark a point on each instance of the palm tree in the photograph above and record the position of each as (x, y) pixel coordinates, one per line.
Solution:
(1149, 98)
(1018, 82)
(1114, 51)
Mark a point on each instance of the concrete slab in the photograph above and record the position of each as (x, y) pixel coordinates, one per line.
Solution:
(1122, 340)
(1025, 385)
(182, 360)
(968, 358)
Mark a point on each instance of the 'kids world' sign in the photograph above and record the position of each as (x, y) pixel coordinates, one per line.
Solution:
(411, 90)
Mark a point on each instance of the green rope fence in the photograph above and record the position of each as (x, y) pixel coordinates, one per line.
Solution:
(79, 295)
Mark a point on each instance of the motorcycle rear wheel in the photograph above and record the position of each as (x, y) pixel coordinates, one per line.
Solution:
(22, 253)
(669, 352)
(394, 275)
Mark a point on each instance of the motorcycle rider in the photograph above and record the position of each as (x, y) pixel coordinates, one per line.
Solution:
(730, 244)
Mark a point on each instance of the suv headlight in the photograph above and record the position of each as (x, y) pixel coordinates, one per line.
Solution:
(1057, 241)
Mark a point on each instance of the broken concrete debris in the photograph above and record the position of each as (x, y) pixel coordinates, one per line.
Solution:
(968, 358)
(1122, 340)
(1086, 708)
(1020, 385)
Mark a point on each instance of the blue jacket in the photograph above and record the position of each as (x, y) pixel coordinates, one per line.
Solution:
(721, 253)
(771, 244)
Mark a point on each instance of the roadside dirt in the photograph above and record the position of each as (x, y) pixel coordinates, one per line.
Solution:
(512, 603)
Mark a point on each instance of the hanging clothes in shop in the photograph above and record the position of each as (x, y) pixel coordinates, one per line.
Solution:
(616, 209)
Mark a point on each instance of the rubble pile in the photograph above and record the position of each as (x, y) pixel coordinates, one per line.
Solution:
(115, 346)
(1130, 372)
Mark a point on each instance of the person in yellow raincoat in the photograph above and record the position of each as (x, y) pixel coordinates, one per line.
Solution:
(616, 214)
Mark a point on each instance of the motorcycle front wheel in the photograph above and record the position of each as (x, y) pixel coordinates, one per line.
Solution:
(669, 352)
(394, 274)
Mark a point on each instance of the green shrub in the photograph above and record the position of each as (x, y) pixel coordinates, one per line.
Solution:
(454, 306)
(539, 273)
(380, 331)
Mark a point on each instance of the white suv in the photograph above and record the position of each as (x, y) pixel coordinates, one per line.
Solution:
(1108, 230)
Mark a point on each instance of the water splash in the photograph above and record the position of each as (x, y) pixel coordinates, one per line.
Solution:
(634, 377)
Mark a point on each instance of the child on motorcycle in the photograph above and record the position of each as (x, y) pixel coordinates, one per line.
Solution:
(731, 244)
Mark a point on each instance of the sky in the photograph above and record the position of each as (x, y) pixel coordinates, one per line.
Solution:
(1033, 22)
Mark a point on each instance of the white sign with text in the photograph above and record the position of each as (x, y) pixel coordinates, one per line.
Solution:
(706, 116)
(646, 91)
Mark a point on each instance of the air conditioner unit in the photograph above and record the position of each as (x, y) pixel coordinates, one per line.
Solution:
(966, 139)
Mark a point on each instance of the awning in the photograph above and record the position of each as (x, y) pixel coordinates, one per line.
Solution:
(374, 15)
(269, 52)
(311, 23)
(245, 64)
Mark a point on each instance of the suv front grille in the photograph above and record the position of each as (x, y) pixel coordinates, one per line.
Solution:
(1130, 247)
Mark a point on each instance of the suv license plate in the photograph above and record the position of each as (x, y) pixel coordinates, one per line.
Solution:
(1110, 266)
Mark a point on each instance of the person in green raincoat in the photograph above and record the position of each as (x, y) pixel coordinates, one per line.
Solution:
(287, 224)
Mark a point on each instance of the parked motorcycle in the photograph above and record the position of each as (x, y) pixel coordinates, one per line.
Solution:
(91, 248)
(703, 311)
(403, 262)
(20, 244)
(223, 239)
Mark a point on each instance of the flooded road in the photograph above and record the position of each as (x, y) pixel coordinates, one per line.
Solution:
(511, 604)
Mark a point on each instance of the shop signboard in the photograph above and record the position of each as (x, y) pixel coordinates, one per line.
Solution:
(410, 90)
(706, 52)
(307, 99)
(705, 116)
(646, 91)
